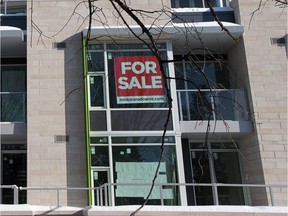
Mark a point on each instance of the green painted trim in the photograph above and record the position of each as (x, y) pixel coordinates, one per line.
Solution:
(87, 135)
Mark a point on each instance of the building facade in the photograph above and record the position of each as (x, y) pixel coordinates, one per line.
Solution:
(88, 102)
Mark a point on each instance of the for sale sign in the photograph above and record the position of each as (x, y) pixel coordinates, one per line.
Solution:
(138, 80)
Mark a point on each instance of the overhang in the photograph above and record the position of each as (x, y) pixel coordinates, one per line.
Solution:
(12, 42)
(198, 34)
(15, 131)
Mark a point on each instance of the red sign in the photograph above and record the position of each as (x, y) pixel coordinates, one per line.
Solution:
(138, 80)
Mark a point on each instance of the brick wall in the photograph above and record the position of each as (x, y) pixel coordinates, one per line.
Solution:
(264, 75)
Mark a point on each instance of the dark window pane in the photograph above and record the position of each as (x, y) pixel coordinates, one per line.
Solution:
(99, 140)
(184, 3)
(98, 121)
(13, 107)
(135, 120)
(95, 61)
(13, 78)
(143, 139)
(96, 91)
(99, 156)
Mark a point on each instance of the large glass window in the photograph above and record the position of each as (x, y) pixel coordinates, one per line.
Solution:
(137, 165)
(134, 74)
(13, 93)
(204, 75)
(142, 84)
(216, 163)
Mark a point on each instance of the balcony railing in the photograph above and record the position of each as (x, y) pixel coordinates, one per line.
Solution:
(13, 106)
(255, 194)
(217, 104)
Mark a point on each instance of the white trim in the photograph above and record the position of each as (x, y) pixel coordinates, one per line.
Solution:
(169, 30)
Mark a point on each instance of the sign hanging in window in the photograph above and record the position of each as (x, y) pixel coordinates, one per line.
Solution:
(138, 80)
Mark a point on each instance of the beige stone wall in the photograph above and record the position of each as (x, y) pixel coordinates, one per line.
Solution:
(52, 75)
(265, 78)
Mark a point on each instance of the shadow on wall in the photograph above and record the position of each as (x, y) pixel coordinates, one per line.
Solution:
(75, 119)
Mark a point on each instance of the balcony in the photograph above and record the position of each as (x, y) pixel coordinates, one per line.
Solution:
(221, 109)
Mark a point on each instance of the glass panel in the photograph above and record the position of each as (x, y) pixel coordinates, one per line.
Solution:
(99, 156)
(97, 91)
(215, 75)
(141, 85)
(143, 139)
(195, 105)
(230, 105)
(213, 3)
(98, 121)
(201, 174)
(14, 172)
(13, 147)
(197, 146)
(13, 107)
(99, 140)
(180, 76)
(13, 79)
(134, 120)
(222, 145)
(14, 7)
(100, 178)
(97, 47)
(137, 164)
(227, 171)
(184, 3)
(95, 61)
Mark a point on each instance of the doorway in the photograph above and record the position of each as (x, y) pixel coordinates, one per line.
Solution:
(13, 172)
(101, 195)
(214, 163)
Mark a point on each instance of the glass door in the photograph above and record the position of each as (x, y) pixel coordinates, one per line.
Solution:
(101, 193)
(13, 172)
(227, 170)
(216, 163)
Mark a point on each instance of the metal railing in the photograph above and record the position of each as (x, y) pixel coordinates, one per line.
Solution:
(102, 193)
(217, 104)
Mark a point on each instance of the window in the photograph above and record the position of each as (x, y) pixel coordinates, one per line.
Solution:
(216, 163)
(13, 93)
(97, 91)
(137, 165)
(197, 3)
(13, 7)
(215, 75)
(136, 91)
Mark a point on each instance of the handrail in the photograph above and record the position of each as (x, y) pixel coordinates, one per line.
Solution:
(102, 199)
